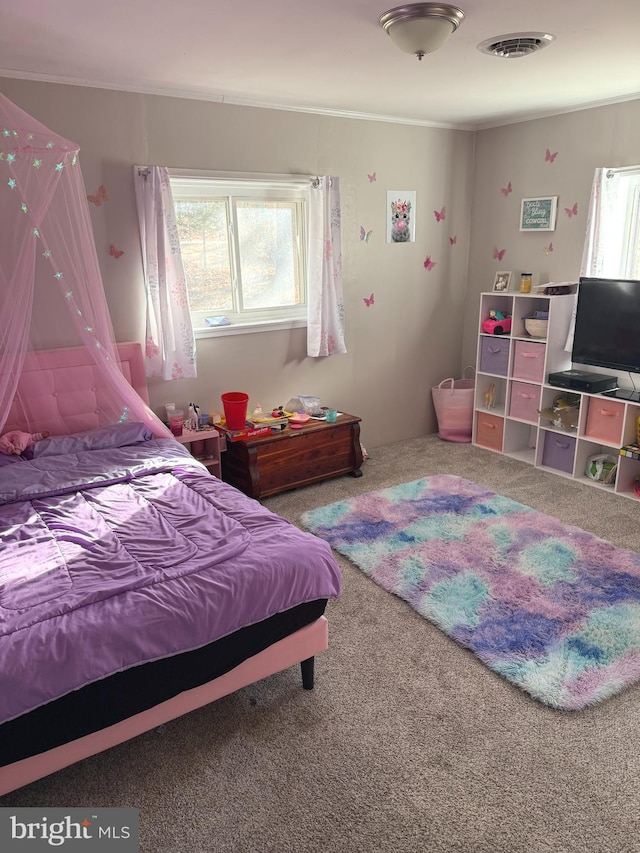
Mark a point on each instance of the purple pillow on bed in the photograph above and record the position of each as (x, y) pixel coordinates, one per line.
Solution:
(99, 438)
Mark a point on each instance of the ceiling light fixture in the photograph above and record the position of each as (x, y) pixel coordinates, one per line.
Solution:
(515, 45)
(421, 28)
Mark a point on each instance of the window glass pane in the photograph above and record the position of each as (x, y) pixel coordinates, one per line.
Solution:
(266, 242)
(203, 233)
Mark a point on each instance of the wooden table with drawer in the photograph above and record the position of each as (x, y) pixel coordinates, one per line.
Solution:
(268, 464)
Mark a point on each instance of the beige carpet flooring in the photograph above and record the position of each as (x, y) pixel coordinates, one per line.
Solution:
(407, 743)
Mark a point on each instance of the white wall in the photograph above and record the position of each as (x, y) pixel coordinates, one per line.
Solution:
(582, 141)
(423, 325)
(397, 349)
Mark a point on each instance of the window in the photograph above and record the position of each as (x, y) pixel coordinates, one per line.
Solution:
(613, 242)
(244, 246)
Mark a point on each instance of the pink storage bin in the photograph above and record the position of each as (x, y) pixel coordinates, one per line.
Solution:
(525, 402)
(489, 431)
(528, 362)
(605, 420)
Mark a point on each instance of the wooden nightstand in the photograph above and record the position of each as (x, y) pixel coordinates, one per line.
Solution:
(206, 445)
(268, 464)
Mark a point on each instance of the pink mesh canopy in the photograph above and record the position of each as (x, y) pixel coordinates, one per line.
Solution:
(51, 291)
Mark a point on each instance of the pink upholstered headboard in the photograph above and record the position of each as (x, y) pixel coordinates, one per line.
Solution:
(65, 387)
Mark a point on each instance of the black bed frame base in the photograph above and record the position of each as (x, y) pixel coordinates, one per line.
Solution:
(307, 667)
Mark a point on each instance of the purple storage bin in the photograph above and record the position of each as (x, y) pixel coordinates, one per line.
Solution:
(558, 451)
(494, 355)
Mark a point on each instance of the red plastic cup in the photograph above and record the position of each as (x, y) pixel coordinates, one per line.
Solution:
(235, 409)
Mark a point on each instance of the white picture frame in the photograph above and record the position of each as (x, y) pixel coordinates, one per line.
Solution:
(502, 281)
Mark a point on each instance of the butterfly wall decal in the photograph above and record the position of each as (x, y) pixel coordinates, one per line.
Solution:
(440, 214)
(507, 190)
(548, 249)
(428, 263)
(368, 301)
(115, 253)
(453, 240)
(365, 235)
(572, 211)
(549, 157)
(498, 254)
(372, 178)
(99, 197)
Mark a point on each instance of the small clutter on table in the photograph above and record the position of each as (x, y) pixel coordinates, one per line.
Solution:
(237, 425)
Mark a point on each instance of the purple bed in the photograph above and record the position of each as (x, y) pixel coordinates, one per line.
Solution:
(135, 586)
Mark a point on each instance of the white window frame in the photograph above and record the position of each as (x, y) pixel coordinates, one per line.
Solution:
(200, 184)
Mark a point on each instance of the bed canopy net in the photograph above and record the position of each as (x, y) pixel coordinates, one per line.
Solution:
(51, 291)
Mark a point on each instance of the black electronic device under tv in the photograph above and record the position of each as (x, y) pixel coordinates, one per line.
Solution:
(607, 329)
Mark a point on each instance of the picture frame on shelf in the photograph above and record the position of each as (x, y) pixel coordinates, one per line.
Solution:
(538, 214)
(501, 282)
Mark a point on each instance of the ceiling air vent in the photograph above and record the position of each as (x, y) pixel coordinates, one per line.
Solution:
(515, 45)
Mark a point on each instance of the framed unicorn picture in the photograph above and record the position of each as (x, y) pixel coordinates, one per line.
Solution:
(401, 216)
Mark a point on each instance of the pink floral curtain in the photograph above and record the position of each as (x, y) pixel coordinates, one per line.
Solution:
(170, 347)
(325, 302)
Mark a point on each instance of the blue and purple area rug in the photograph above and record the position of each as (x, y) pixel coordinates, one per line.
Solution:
(552, 608)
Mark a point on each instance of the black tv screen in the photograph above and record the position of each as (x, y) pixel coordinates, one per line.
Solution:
(607, 329)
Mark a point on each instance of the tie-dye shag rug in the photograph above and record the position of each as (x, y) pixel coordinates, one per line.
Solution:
(552, 608)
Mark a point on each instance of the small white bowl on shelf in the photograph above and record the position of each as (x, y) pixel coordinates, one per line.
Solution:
(536, 328)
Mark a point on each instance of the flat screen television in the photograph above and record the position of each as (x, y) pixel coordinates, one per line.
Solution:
(607, 328)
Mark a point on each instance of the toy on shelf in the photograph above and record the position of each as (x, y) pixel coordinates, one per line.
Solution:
(602, 468)
(490, 397)
(497, 323)
(564, 412)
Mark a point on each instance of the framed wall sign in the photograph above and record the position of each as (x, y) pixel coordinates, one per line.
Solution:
(401, 216)
(538, 214)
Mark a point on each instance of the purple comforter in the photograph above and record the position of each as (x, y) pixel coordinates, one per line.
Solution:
(111, 558)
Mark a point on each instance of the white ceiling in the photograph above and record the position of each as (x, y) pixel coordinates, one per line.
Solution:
(330, 55)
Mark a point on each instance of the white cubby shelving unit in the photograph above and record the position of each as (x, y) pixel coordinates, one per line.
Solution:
(516, 366)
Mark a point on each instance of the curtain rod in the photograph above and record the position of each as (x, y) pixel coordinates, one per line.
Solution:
(617, 170)
(314, 180)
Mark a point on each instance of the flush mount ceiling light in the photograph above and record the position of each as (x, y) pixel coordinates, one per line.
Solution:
(421, 28)
(515, 45)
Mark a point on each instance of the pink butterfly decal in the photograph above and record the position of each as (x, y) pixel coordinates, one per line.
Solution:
(549, 157)
(548, 249)
(498, 254)
(372, 178)
(365, 235)
(115, 253)
(506, 190)
(440, 214)
(99, 197)
(572, 211)
(453, 240)
(368, 301)
(428, 263)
